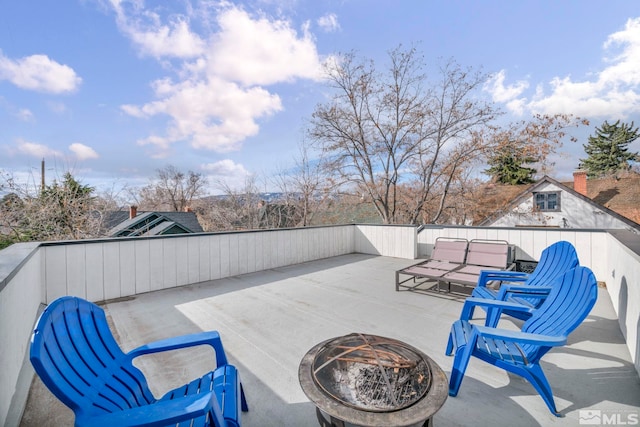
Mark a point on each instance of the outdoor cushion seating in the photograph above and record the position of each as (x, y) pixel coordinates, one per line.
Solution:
(75, 354)
(448, 254)
(531, 289)
(481, 255)
(570, 300)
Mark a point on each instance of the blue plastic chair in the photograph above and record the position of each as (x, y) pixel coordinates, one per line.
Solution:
(529, 290)
(572, 296)
(76, 356)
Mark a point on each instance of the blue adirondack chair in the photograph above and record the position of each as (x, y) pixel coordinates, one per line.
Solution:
(529, 290)
(572, 296)
(76, 356)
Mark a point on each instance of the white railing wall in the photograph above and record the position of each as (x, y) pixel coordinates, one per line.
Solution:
(115, 268)
(20, 297)
(623, 283)
(32, 275)
(391, 240)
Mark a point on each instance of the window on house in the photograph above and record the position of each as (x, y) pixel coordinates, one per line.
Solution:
(547, 201)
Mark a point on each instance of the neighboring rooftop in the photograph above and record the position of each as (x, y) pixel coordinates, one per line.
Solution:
(269, 319)
(136, 223)
(620, 194)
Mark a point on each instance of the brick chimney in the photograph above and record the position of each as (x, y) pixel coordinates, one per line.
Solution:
(580, 182)
(133, 211)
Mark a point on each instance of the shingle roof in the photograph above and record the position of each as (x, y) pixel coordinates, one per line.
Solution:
(621, 195)
(119, 220)
(493, 199)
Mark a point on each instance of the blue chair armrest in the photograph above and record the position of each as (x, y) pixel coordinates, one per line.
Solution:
(501, 275)
(490, 304)
(521, 337)
(211, 338)
(161, 413)
(523, 290)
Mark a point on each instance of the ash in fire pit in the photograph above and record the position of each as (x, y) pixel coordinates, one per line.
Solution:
(367, 380)
(371, 373)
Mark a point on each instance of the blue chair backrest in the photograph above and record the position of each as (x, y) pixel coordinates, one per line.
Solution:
(554, 260)
(76, 356)
(573, 295)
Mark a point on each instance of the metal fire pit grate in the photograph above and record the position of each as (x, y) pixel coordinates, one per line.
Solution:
(371, 373)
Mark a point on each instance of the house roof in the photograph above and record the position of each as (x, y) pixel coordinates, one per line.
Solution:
(620, 194)
(496, 199)
(165, 222)
(601, 195)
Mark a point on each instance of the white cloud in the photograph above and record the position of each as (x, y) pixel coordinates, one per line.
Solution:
(624, 67)
(216, 99)
(225, 168)
(329, 22)
(83, 152)
(36, 150)
(261, 51)
(227, 174)
(39, 73)
(614, 92)
(41, 151)
(213, 114)
(144, 28)
(502, 93)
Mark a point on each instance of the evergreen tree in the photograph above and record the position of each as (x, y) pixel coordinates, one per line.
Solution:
(508, 167)
(607, 150)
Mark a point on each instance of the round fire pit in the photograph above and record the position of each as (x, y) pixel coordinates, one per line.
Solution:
(368, 380)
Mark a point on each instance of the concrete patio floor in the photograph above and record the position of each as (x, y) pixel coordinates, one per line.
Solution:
(268, 321)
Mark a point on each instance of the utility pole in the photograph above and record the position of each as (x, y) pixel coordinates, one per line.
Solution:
(42, 175)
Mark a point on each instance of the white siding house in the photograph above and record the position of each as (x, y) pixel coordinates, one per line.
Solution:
(548, 203)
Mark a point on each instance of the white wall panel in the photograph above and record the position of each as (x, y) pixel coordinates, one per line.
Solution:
(622, 275)
(112, 270)
(94, 257)
(204, 258)
(143, 265)
(76, 267)
(127, 268)
(214, 260)
(224, 255)
(169, 265)
(193, 260)
(20, 300)
(156, 258)
(182, 261)
(56, 271)
(269, 245)
(243, 252)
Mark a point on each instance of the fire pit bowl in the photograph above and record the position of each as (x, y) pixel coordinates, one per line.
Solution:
(368, 380)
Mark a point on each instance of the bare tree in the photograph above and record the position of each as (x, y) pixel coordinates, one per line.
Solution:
(236, 209)
(402, 143)
(171, 190)
(307, 185)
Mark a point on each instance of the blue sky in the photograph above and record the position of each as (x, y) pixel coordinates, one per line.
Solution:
(112, 90)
